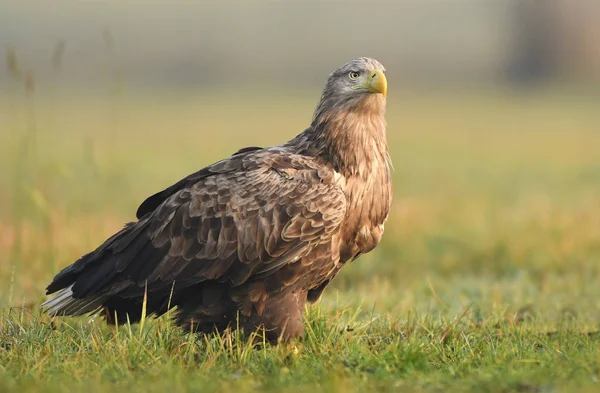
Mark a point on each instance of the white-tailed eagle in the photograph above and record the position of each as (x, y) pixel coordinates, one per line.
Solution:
(249, 240)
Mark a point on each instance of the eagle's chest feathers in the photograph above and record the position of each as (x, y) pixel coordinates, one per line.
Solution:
(368, 203)
(366, 180)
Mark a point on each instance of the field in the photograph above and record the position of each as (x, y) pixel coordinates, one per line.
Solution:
(488, 277)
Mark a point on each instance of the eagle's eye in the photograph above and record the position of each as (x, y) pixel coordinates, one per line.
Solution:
(353, 75)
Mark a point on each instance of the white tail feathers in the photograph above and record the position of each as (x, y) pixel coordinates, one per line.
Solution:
(63, 303)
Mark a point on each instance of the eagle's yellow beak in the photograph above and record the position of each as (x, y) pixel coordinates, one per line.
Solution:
(376, 82)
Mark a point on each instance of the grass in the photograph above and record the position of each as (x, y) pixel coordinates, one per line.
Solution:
(487, 278)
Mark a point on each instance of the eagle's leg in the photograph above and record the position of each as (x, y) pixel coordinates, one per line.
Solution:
(281, 319)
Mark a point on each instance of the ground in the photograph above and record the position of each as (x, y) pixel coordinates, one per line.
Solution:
(487, 278)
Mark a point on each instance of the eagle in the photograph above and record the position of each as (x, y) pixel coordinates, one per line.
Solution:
(248, 241)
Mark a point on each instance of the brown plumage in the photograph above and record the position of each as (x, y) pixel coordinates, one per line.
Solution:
(249, 240)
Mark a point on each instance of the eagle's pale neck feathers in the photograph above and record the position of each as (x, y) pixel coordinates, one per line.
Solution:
(350, 134)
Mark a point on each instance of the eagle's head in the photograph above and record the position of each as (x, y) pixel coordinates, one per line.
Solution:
(358, 84)
(359, 77)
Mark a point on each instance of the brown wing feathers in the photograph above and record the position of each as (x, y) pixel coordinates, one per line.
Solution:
(237, 220)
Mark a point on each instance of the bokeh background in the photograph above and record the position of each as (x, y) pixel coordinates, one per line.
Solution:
(494, 130)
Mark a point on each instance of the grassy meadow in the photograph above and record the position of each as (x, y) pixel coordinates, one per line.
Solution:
(487, 279)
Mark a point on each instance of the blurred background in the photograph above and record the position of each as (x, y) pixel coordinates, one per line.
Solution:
(187, 45)
(494, 129)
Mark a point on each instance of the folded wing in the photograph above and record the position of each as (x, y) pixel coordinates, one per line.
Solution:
(239, 219)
